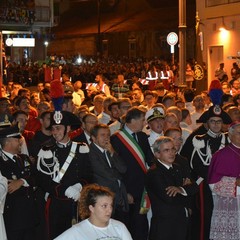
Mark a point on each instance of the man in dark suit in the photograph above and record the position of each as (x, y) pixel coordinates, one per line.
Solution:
(168, 194)
(132, 146)
(108, 168)
(88, 122)
(176, 134)
(20, 213)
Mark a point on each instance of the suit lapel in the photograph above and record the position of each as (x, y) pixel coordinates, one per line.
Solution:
(99, 154)
(172, 176)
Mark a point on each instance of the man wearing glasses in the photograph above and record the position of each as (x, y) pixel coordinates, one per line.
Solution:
(168, 192)
(204, 147)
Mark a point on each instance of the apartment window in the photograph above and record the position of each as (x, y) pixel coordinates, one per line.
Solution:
(163, 41)
(105, 45)
(132, 47)
(42, 14)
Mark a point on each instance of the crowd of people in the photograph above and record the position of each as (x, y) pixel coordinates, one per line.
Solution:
(88, 158)
(132, 69)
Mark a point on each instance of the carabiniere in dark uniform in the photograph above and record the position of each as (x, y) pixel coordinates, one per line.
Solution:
(63, 167)
(20, 213)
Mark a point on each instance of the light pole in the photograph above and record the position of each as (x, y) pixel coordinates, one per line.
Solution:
(99, 45)
(182, 43)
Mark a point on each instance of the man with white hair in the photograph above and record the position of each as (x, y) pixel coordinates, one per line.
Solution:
(224, 182)
(168, 192)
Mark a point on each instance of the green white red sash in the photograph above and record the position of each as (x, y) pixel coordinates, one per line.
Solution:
(133, 147)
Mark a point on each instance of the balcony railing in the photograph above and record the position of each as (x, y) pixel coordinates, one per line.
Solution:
(24, 17)
(17, 15)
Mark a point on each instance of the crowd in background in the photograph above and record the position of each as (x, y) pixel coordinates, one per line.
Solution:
(120, 95)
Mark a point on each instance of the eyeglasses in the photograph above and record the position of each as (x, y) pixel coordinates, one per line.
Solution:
(215, 121)
(178, 139)
(169, 150)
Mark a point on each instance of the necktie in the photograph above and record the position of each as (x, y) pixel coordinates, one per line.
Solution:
(106, 156)
(171, 170)
(135, 136)
(18, 160)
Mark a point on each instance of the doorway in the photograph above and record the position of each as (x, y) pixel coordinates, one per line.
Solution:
(215, 58)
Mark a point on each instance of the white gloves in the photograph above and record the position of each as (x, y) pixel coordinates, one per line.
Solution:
(74, 191)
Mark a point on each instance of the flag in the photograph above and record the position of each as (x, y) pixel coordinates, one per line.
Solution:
(1, 62)
(199, 73)
(145, 203)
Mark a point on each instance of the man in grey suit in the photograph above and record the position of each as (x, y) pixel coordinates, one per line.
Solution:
(108, 168)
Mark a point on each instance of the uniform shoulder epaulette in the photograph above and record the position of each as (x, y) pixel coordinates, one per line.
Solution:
(200, 137)
(225, 134)
(83, 147)
(46, 151)
(198, 141)
(48, 147)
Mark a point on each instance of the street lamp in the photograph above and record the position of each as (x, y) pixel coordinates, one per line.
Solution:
(46, 46)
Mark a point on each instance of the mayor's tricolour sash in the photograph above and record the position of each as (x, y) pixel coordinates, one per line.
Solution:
(133, 147)
(138, 154)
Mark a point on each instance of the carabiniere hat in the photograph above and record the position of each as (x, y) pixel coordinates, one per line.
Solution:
(10, 132)
(215, 111)
(156, 112)
(64, 118)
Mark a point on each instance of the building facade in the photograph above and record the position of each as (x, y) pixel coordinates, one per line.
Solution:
(132, 28)
(220, 26)
(24, 20)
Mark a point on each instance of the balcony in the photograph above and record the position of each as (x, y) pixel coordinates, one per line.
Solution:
(22, 17)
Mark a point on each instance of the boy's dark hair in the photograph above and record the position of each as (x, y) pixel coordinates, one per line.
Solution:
(189, 94)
